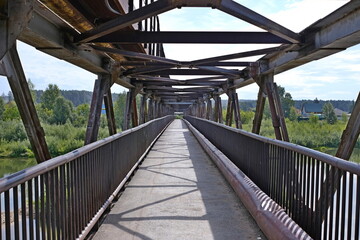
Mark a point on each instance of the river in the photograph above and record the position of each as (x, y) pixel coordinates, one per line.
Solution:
(13, 165)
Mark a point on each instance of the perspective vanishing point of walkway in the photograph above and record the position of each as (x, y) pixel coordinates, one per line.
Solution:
(178, 193)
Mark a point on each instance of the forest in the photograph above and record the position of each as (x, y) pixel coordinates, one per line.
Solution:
(63, 115)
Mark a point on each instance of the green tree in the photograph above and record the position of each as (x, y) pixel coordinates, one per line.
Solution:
(293, 116)
(329, 113)
(49, 96)
(62, 110)
(81, 115)
(314, 119)
(286, 101)
(10, 97)
(2, 107)
(119, 110)
(11, 112)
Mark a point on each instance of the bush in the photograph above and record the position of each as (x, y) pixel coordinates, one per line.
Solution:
(12, 131)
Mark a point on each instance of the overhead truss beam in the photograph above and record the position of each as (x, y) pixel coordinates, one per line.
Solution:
(131, 37)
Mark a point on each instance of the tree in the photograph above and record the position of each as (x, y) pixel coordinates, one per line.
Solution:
(329, 113)
(2, 107)
(120, 109)
(10, 97)
(293, 116)
(62, 110)
(286, 101)
(32, 90)
(49, 96)
(81, 115)
(11, 112)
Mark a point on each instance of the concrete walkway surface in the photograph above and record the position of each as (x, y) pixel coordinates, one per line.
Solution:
(178, 193)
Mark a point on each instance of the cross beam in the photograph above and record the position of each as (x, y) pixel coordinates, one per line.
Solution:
(130, 37)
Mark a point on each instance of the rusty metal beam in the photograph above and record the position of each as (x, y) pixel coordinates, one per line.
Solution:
(130, 37)
(350, 134)
(237, 10)
(12, 67)
(135, 55)
(236, 55)
(260, 104)
(101, 86)
(109, 108)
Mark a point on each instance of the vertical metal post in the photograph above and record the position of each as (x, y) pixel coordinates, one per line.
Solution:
(259, 112)
(216, 109)
(151, 109)
(236, 108)
(209, 115)
(134, 113)
(109, 108)
(19, 86)
(220, 116)
(142, 109)
(101, 86)
(127, 112)
(229, 110)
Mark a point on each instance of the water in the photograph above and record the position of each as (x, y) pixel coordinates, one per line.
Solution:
(13, 165)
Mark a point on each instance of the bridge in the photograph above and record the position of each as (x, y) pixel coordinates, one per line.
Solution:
(165, 178)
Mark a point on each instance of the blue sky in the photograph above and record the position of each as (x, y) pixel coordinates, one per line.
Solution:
(336, 77)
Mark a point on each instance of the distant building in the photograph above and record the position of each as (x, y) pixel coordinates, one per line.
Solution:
(312, 108)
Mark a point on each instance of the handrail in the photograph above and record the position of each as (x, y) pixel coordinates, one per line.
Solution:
(321, 193)
(332, 160)
(22, 176)
(63, 197)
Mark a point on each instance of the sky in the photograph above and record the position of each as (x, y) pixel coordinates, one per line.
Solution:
(336, 77)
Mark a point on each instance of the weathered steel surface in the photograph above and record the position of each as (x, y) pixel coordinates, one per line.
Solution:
(19, 86)
(101, 86)
(109, 108)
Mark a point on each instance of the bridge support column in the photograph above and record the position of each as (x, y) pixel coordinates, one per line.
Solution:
(259, 111)
(218, 109)
(350, 134)
(14, 72)
(277, 114)
(101, 86)
(236, 109)
(109, 108)
(209, 114)
(127, 112)
(151, 109)
(229, 110)
(143, 109)
(134, 113)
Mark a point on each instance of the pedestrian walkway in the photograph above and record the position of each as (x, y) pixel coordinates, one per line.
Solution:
(178, 193)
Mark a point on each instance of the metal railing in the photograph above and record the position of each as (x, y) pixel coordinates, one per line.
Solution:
(63, 197)
(321, 193)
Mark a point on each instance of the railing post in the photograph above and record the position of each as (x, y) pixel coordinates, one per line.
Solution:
(15, 74)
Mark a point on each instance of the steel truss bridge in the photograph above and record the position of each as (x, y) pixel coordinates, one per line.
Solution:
(290, 191)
